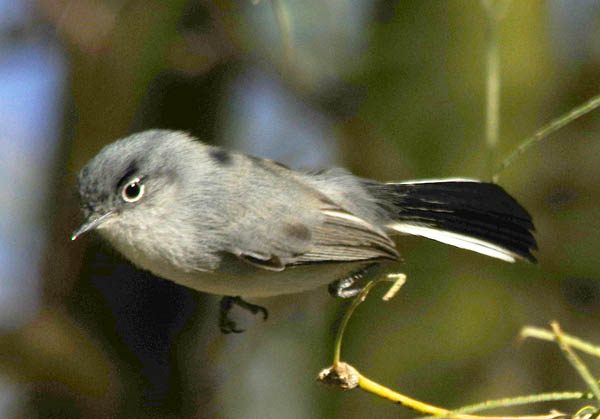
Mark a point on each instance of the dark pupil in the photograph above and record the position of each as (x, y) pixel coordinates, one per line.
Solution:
(132, 191)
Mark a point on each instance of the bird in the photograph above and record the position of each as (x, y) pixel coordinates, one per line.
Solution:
(240, 226)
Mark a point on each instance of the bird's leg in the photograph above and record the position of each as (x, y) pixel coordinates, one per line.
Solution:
(252, 308)
(351, 285)
(229, 326)
(344, 288)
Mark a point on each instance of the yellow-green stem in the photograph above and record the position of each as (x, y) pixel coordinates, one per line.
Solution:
(337, 351)
(375, 388)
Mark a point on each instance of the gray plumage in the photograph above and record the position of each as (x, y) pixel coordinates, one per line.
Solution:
(231, 224)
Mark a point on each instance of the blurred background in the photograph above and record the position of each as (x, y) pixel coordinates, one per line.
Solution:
(391, 90)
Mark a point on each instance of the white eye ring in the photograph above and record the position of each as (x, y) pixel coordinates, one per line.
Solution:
(133, 191)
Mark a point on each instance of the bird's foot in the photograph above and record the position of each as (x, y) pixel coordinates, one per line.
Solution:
(226, 324)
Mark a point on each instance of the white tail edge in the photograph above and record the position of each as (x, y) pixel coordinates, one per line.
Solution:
(458, 240)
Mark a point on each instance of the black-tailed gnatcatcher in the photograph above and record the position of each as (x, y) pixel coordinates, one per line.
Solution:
(239, 226)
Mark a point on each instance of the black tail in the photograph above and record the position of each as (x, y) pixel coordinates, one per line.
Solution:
(477, 216)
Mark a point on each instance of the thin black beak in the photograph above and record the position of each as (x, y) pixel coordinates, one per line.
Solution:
(92, 223)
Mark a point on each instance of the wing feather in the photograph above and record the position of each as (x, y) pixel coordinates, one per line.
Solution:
(345, 237)
(339, 237)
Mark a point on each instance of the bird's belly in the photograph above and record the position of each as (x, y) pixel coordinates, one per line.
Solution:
(237, 278)
(256, 282)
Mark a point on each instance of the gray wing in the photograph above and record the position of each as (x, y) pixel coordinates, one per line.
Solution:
(344, 237)
(287, 221)
(329, 234)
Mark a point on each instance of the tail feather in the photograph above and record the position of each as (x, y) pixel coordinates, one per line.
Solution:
(473, 215)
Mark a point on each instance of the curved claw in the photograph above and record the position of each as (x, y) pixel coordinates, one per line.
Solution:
(229, 326)
(259, 309)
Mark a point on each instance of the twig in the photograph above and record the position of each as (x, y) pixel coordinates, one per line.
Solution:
(521, 400)
(495, 10)
(347, 377)
(492, 64)
(398, 279)
(285, 27)
(576, 362)
(548, 129)
(535, 332)
(372, 387)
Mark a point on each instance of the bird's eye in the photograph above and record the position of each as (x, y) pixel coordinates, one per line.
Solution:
(133, 191)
